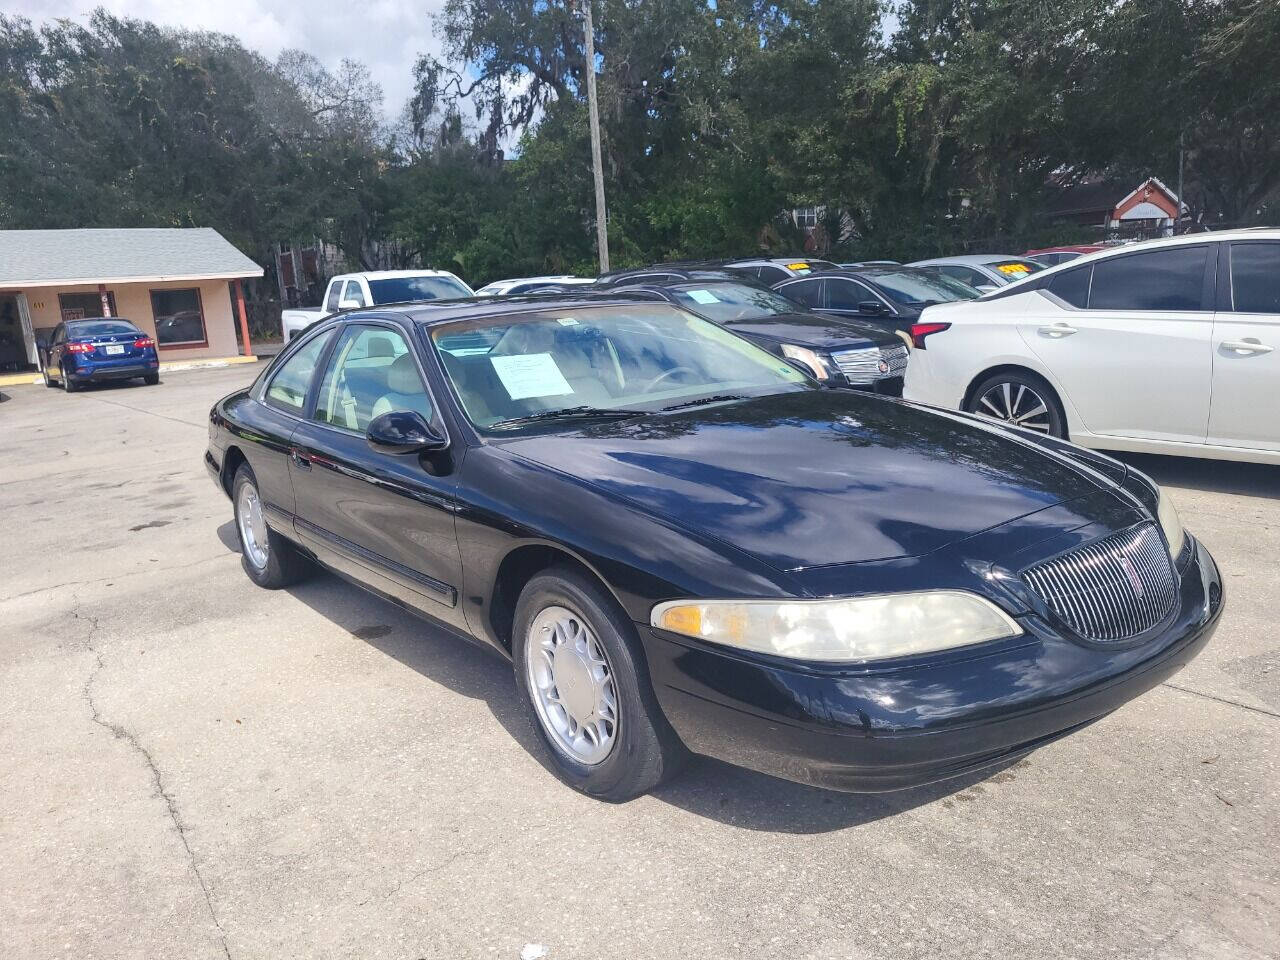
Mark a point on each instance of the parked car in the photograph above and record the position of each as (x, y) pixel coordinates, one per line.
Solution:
(889, 297)
(1052, 256)
(870, 263)
(766, 270)
(839, 353)
(348, 291)
(511, 288)
(983, 272)
(97, 349)
(1165, 347)
(682, 543)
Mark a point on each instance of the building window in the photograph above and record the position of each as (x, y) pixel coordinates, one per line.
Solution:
(179, 318)
(806, 217)
(78, 306)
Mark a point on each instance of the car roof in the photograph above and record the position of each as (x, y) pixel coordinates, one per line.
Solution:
(432, 313)
(391, 274)
(558, 278)
(969, 259)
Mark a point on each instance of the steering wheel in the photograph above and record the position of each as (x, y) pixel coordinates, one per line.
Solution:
(666, 374)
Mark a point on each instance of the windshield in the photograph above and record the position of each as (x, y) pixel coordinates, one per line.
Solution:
(405, 289)
(642, 357)
(914, 287)
(100, 328)
(1015, 269)
(725, 302)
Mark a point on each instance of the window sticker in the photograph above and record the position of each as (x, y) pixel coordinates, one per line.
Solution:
(1014, 269)
(566, 321)
(531, 375)
(703, 296)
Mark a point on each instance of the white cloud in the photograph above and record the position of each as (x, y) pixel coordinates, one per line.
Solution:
(385, 35)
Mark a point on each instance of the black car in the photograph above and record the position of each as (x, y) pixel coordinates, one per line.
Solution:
(843, 353)
(893, 297)
(682, 543)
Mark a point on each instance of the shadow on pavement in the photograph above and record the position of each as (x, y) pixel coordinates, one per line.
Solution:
(706, 788)
(1212, 476)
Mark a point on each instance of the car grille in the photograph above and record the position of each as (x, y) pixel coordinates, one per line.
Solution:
(1111, 589)
(863, 365)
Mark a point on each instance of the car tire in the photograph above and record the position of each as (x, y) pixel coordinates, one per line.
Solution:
(1021, 398)
(151, 379)
(269, 559)
(68, 384)
(604, 667)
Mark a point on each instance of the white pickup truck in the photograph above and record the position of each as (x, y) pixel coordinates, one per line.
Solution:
(350, 291)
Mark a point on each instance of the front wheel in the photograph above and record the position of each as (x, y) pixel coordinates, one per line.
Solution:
(587, 691)
(269, 559)
(1023, 399)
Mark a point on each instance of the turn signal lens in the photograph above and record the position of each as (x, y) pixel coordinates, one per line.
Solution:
(921, 330)
(847, 630)
(80, 348)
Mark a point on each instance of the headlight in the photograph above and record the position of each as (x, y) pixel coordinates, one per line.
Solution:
(858, 628)
(1171, 524)
(810, 358)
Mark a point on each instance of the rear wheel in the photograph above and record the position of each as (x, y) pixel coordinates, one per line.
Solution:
(44, 371)
(68, 384)
(1020, 398)
(269, 559)
(151, 379)
(587, 691)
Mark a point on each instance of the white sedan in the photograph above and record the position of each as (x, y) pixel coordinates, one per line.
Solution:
(1163, 347)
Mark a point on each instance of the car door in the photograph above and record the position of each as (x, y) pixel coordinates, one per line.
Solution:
(1127, 338)
(53, 353)
(1246, 347)
(386, 520)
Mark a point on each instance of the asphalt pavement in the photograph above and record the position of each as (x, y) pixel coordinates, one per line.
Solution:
(193, 767)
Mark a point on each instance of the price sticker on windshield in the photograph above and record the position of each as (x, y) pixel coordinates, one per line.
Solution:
(703, 296)
(1014, 269)
(531, 375)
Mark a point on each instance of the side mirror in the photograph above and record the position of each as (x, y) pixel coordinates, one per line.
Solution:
(872, 308)
(403, 431)
(349, 304)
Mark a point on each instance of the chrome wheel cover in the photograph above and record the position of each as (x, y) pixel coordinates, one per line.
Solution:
(253, 526)
(571, 683)
(1015, 403)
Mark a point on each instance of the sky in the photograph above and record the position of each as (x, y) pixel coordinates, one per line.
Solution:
(386, 35)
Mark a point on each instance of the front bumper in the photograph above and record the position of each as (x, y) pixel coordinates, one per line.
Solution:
(884, 728)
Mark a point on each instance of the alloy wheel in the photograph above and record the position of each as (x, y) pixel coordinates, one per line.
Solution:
(253, 526)
(572, 685)
(1016, 403)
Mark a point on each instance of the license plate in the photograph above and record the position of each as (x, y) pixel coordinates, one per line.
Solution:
(113, 348)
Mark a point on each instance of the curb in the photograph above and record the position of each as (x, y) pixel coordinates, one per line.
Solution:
(23, 379)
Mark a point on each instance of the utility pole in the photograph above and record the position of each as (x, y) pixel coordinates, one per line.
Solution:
(1182, 141)
(597, 167)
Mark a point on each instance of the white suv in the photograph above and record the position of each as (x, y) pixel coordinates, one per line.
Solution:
(1163, 347)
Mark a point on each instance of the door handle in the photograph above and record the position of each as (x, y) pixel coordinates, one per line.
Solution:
(1247, 345)
(1058, 330)
(302, 461)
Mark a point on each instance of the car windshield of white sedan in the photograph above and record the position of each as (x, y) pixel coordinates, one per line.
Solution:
(916, 287)
(600, 362)
(725, 302)
(407, 289)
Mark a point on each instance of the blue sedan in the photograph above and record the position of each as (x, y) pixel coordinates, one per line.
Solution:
(92, 350)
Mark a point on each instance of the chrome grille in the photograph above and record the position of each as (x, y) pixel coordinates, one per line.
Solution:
(1111, 589)
(863, 365)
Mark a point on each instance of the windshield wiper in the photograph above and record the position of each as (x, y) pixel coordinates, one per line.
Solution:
(570, 413)
(703, 401)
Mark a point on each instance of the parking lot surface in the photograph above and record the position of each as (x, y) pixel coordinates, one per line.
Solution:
(194, 767)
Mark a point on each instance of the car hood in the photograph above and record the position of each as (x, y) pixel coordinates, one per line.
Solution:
(812, 330)
(817, 477)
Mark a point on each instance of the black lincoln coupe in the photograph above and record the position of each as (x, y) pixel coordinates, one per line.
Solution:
(684, 544)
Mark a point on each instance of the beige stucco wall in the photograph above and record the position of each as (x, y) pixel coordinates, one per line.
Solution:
(133, 302)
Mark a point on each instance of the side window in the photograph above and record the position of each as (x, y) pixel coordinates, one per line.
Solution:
(845, 294)
(808, 292)
(1170, 279)
(1073, 286)
(353, 292)
(335, 294)
(288, 388)
(59, 334)
(771, 275)
(965, 274)
(372, 372)
(1255, 277)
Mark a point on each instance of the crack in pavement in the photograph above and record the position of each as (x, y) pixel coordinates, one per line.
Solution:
(150, 413)
(114, 578)
(1231, 703)
(434, 868)
(120, 733)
